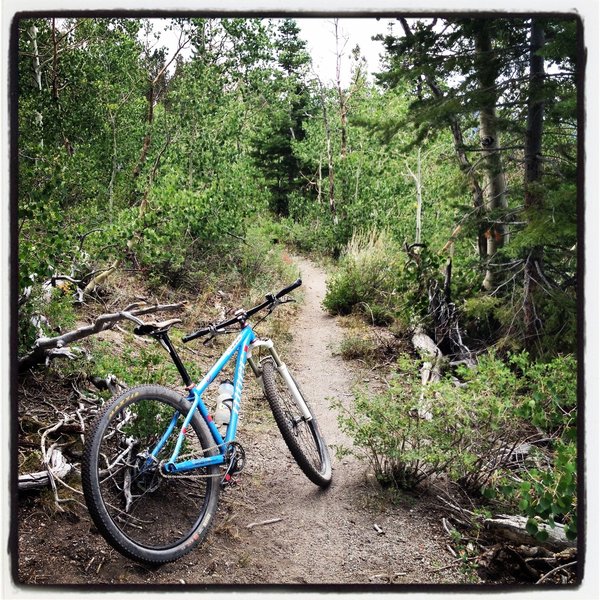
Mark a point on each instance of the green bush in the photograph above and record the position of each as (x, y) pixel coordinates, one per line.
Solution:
(463, 433)
(548, 393)
(473, 431)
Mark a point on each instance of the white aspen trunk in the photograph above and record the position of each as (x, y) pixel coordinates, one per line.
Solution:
(417, 178)
(320, 182)
(342, 100)
(113, 172)
(37, 75)
(419, 199)
(329, 159)
(37, 69)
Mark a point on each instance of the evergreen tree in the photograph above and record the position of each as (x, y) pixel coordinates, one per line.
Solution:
(475, 77)
(287, 98)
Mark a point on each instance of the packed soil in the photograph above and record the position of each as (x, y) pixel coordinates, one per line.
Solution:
(353, 533)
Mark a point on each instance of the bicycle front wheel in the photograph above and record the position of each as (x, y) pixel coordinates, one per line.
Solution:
(302, 436)
(144, 513)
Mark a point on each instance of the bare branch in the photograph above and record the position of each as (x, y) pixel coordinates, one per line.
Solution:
(44, 345)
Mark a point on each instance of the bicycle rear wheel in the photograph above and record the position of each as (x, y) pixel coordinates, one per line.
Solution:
(302, 436)
(143, 513)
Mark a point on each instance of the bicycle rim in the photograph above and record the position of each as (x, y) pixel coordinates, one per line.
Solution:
(142, 512)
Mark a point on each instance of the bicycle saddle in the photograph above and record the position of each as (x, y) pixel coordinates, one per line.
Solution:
(156, 327)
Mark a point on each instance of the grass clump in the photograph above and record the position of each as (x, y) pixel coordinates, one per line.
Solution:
(367, 278)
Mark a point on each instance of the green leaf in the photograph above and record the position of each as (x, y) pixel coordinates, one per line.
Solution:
(542, 535)
(531, 527)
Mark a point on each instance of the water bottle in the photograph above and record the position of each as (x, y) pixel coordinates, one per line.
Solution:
(224, 406)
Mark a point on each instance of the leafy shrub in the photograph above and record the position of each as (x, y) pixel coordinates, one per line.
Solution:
(465, 431)
(312, 235)
(473, 431)
(548, 394)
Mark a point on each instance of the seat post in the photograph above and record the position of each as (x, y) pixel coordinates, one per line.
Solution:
(163, 338)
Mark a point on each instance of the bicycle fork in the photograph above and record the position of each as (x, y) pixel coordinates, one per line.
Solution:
(283, 371)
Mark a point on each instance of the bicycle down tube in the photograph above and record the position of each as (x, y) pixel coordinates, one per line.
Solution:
(240, 345)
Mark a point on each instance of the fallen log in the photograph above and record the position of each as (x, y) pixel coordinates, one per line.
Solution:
(513, 529)
(45, 347)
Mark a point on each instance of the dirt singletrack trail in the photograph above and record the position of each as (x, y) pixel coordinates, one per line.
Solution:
(329, 536)
(349, 533)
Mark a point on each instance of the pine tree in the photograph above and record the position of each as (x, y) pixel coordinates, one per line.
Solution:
(287, 98)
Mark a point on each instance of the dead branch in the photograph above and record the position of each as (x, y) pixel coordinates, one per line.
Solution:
(431, 370)
(267, 522)
(44, 346)
(101, 277)
(57, 465)
(559, 568)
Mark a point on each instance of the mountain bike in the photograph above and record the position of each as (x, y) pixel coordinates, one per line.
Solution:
(155, 460)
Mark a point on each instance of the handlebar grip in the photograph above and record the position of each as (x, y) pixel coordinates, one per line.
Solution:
(289, 288)
(192, 336)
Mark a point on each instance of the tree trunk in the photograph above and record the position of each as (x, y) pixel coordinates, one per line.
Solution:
(329, 157)
(37, 69)
(342, 99)
(112, 117)
(417, 177)
(148, 135)
(54, 62)
(533, 175)
(495, 188)
(37, 76)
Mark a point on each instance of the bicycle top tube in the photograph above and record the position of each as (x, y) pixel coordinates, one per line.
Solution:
(241, 342)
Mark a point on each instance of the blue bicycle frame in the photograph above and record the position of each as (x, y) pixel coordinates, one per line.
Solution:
(241, 346)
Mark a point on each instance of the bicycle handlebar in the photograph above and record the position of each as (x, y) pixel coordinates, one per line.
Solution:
(271, 299)
(289, 288)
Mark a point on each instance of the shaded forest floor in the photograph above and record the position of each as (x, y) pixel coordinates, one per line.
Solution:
(349, 534)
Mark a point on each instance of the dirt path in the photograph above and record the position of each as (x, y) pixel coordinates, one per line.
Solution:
(323, 537)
